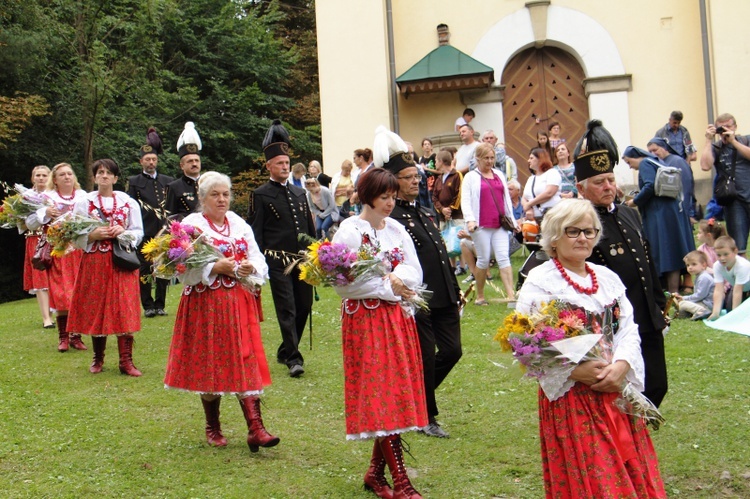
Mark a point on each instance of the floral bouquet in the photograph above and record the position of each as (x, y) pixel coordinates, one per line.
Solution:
(325, 263)
(17, 207)
(183, 247)
(67, 228)
(552, 341)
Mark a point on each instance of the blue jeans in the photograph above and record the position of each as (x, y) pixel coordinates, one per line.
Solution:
(322, 225)
(737, 216)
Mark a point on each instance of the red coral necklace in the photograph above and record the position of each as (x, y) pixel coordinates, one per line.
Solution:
(224, 231)
(108, 213)
(66, 198)
(587, 291)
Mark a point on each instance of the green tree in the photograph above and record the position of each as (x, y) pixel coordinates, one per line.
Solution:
(16, 114)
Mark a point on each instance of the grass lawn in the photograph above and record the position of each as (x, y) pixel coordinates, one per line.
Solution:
(67, 433)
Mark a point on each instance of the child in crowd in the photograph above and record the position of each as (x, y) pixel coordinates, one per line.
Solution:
(735, 270)
(708, 232)
(699, 304)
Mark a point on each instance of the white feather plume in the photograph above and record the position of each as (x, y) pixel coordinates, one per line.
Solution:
(386, 145)
(189, 136)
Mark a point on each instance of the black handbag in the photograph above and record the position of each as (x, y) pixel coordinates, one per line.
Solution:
(42, 259)
(725, 189)
(124, 256)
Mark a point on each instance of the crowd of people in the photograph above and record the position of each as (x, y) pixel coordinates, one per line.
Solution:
(604, 256)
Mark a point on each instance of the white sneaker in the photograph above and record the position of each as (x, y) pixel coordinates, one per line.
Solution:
(469, 279)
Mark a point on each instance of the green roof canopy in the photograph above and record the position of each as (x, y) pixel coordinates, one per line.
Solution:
(445, 68)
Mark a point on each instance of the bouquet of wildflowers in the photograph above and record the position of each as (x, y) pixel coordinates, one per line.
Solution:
(64, 230)
(184, 247)
(18, 206)
(335, 264)
(550, 343)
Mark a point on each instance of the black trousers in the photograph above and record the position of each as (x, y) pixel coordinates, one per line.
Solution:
(655, 362)
(292, 300)
(147, 302)
(441, 329)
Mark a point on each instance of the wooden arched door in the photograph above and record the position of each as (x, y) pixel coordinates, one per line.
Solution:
(542, 85)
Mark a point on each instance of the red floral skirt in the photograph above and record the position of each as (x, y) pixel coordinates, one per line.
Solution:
(62, 280)
(33, 280)
(591, 449)
(106, 299)
(383, 379)
(216, 346)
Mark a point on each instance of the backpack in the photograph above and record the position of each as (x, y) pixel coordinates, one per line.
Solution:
(668, 182)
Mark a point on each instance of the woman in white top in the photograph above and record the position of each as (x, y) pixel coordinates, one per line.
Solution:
(36, 281)
(216, 346)
(64, 191)
(106, 298)
(542, 190)
(383, 380)
(576, 407)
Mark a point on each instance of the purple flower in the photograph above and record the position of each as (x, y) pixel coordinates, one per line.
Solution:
(175, 253)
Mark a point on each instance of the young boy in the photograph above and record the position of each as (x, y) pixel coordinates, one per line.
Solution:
(731, 268)
(699, 304)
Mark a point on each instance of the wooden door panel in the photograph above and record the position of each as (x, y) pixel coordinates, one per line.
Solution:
(542, 85)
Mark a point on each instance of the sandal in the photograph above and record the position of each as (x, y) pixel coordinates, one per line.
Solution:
(481, 303)
(48, 326)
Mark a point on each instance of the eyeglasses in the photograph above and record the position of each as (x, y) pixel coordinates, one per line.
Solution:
(409, 178)
(574, 232)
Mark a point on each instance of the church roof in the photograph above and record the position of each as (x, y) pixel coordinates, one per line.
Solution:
(444, 69)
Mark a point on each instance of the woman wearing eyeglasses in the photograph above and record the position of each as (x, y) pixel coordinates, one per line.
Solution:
(589, 448)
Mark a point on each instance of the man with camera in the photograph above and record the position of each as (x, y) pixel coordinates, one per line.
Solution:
(730, 155)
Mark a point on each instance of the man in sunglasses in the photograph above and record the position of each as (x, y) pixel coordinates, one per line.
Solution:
(624, 250)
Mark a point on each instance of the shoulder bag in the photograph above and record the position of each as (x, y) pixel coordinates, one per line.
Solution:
(506, 222)
(124, 256)
(42, 259)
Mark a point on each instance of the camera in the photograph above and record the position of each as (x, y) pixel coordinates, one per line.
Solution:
(720, 130)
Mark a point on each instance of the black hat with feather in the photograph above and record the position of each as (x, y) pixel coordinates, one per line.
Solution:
(153, 144)
(276, 141)
(595, 153)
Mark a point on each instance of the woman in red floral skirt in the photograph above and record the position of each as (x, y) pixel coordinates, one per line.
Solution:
(63, 191)
(383, 382)
(589, 447)
(216, 347)
(106, 297)
(35, 281)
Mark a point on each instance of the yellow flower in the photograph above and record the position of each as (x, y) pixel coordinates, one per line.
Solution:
(150, 247)
(307, 273)
(312, 254)
(515, 323)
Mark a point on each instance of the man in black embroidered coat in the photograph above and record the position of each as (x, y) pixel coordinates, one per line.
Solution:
(278, 214)
(150, 190)
(623, 249)
(440, 327)
(182, 194)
